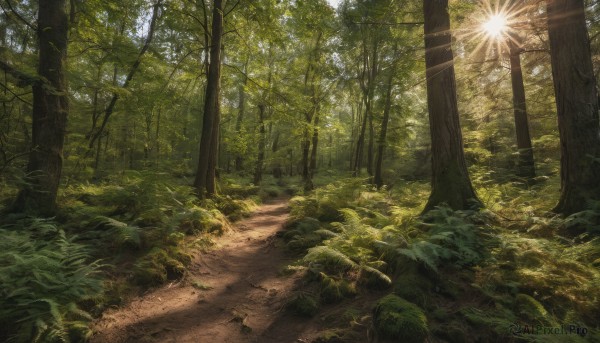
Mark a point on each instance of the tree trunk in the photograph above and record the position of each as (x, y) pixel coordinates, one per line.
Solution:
(577, 105)
(371, 146)
(450, 179)
(306, 160)
(261, 145)
(360, 144)
(239, 160)
(50, 109)
(378, 179)
(206, 173)
(526, 166)
(315, 145)
(277, 169)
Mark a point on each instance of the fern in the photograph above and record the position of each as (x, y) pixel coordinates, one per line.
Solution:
(329, 258)
(450, 238)
(41, 283)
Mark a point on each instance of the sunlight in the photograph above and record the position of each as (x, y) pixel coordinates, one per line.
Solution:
(496, 26)
(492, 27)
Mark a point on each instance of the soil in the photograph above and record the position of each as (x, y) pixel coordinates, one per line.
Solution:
(233, 293)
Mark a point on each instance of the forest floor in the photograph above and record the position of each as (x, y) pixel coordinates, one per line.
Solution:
(233, 293)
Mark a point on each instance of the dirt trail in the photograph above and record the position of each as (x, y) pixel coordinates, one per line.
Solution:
(245, 304)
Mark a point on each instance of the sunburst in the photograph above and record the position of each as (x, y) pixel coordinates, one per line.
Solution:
(493, 27)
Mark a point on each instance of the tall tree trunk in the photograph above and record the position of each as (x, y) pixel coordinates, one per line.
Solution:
(213, 158)
(577, 105)
(239, 160)
(50, 110)
(306, 159)
(205, 173)
(526, 166)
(358, 156)
(450, 182)
(261, 145)
(378, 179)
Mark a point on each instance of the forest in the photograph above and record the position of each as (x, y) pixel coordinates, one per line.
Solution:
(320, 171)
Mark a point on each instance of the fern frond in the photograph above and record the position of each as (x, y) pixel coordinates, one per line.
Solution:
(329, 258)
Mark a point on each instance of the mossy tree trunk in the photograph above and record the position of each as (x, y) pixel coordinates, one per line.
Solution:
(50, 110)
(577, 105)
(450, 182)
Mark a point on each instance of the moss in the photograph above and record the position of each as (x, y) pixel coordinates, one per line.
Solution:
(157, 267)
(304, 305)
(414, 287)
(329, 336)
(397, 319)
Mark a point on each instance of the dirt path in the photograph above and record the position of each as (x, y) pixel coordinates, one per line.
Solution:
(245, 304)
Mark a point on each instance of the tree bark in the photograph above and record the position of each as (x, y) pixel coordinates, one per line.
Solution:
(526, 165)
(50, 110)
(205, 174)
(450, 182)
(577, 105)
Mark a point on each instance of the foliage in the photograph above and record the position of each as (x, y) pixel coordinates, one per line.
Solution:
(450, 237)
(397, 319)
(44, 278)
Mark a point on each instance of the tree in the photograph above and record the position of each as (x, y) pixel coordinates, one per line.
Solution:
(450, 182)
(378, 178)
(206, 172)
(577, 105)
(50, 109)
(526, 165)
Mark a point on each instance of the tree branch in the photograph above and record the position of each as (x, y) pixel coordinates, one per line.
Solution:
(111, 106)
(31, 26)
(232, 8)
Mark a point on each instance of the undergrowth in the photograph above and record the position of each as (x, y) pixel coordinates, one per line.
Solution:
(44, 278)
(476, 276)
